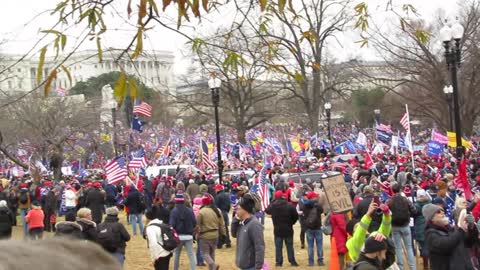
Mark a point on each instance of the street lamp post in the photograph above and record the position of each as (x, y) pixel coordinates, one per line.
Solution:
(377, 116)
(448, 90)
(451, 37)
(214, 84)
(328, 108)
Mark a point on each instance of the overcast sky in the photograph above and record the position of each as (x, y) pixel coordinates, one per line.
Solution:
(21, 21)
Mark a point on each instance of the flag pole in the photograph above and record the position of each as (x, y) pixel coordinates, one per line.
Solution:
(410, 136)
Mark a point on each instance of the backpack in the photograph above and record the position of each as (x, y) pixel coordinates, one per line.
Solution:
(170, 240)
(23, 198)
(185, 224)
(313, 218)
(400, 210)
(108, 237)
(353, 267)
(327, 225)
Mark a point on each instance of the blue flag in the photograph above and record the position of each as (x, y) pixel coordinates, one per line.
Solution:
(137, 124)
(434, 149)
(383, 136)
(350, 146)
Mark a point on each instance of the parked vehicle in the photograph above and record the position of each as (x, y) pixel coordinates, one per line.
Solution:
(170, 170)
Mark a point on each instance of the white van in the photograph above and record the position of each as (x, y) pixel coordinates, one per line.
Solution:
(169, 170)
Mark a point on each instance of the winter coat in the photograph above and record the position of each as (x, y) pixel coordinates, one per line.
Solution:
(250, 243)
(362, 208)
(159, 212)
(193, 190)
(35, 218)
(26, 205)
(70, 198)
(95, 201)
(399, 204)
(111, 192)
(68, 229)
(209, 223)
(284, 215)
(6, 223)
(339, 231)
(118, 227)
(446, 248)
(154, 240)
(222, 201)
(197, 204)
(368, 264)
(165, 192)
(89, 229)
(133, 202)
(182, 219)
(307, 206)
(420, 221)
(49, 203)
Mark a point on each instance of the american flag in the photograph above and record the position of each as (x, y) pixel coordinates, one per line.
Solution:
(384, 127)
(116, 170)
(61, 92)
(143, 109)
(163, 150)
(405, 121)
(205, 156)
(263, 188)
(137, 163)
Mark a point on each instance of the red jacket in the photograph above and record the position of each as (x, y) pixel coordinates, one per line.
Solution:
(35, 218)
(339, 231)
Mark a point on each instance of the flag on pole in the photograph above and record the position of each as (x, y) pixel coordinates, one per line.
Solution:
(138, 163)
(205, 156)
(143, 109)
(137, 124)
(405, 121)
(116, 170)
(163, 150)
(263, 188)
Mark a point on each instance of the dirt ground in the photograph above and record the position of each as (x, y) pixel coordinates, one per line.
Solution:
(137, 256)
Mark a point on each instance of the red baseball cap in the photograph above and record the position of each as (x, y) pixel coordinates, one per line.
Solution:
(312, 195)
(218, 187)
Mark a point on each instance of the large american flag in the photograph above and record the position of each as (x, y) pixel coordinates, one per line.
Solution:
(137, 163)
(263, 188)
(405, 121)
(205, 156)
(143, 109)
(116, 170)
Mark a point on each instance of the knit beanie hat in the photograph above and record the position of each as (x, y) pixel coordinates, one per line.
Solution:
(372, 245)
(429, 210)
(179, 198)
(112, 211)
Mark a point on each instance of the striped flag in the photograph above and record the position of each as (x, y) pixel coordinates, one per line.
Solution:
(116, 170)
(143, 109)
(137, 163)
(61, 92)
(405, 121)
(263, 188)
(163, 150)
(205, 156)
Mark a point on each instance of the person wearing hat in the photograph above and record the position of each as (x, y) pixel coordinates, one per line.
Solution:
(250, 253)
(24, 204)
(312, 211)
(362, 207)
(222, 201)
(423, 198)
(6, 221)
(373, 255)
(134, 203)
(112, 229)
(446, 245)
(69, 227)
(284, 216)
(49, 204)
(183, 221)
(95, 201)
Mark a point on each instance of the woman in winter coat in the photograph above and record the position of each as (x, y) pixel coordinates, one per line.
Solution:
(6, 221)
(69, 227)
(339, 232)
(89, 228)
(422, 199)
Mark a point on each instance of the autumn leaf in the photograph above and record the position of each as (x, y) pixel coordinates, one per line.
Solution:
(166, 3)
(422, 35)
(263, 4)
(139, 46)
(133, 88)
(196, 8)
(205, 5)
(48, 83)
(281, 5)
(41, 62)
(99, 49)
(69, 76)
(154, 6)
(120, 89)
(142, 11)
(129, 8)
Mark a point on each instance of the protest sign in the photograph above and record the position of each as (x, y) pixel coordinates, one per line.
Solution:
(337, 194)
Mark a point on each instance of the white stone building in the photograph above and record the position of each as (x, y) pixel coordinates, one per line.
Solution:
(154, 68)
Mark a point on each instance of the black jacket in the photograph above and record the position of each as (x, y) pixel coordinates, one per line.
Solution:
(222, 200)
(95, 201)
(118, 227)
(284, 215)
(89, 229)
(68, 229)
(365, 263)
(307, 208)
(446, 248)
(362, 208)
(402, 209)
(133, 202)
(6, 222)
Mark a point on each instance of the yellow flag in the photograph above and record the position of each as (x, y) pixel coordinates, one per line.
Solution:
(452, 140)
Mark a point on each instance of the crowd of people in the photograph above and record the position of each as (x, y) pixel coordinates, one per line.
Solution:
(409, 210)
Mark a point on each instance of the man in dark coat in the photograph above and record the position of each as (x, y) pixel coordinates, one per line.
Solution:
(49, 203)
(95, 201)
(122, 236)
(222, 201)
(362, 208)
(446, 245)
(133, 202)
(284, 216)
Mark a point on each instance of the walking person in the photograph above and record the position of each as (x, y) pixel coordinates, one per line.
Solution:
(134, 204)
(222, 201)
(35, 219)
(313, 223)
(6, 221)
(112, 235)
(160, 257)
(24, 204)
(13, 204)
(210, 227)
(70, 199)
(402, 209)
(89, 227)
(419, 225)
(95, 201)
(284, 216)
(250, 253)
(197, 204)
(183, 221)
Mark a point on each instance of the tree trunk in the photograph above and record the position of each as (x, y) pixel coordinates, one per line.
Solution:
(313, 119)
(241, 135)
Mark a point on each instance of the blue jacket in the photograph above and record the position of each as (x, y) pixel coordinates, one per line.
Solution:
(182, 219)
(223, 201)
